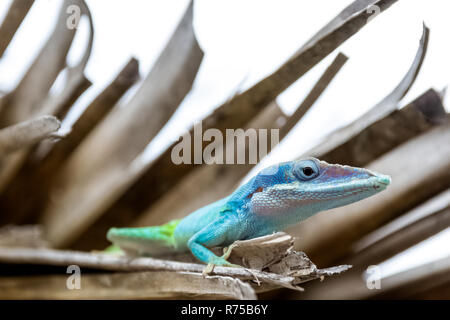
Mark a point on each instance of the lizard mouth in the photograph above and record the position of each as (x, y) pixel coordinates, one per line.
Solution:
(368, 186)
(380, 181)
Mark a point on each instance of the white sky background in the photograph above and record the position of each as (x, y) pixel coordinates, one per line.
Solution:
(244, 41)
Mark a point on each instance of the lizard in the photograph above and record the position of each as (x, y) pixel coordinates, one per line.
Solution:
(278, 197)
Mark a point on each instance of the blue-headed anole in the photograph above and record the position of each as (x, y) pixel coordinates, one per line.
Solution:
(276, 198)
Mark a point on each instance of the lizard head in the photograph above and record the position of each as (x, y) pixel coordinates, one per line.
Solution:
(305, 187)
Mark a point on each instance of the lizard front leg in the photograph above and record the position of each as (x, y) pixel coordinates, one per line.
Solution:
(214, 234)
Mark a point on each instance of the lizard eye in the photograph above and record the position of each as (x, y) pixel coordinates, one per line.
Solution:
(306, 170)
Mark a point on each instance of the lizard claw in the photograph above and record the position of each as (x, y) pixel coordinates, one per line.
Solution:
(208, 269)
(227, 251)
(231, 265)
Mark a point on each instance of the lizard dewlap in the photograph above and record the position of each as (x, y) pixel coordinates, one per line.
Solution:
(276, 198)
